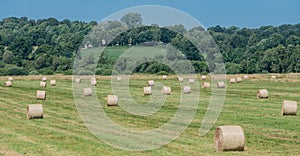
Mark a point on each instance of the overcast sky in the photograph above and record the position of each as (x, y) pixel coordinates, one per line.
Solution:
(241, 13)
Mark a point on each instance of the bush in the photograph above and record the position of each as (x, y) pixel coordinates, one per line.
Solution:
(84, 72)
(162, 73)
(46, 72)
(34, 72)
(102, 71)
(68, 72)
(14, 71)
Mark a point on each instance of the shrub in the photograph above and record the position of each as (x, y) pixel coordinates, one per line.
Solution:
(15, 71)
(46, 72)
(162, 73)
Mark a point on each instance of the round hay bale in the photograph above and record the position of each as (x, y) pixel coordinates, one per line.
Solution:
(186, 89)
(239, 79)
(77, 80)
(164, 77)
(147, 91)
(203, 77)
(41, 95)
(44, 79)
(289, 107)
(229, 138)
(246, 76)
(273, 77)
(262, 93)
(205, 85)
(180, 79)
(53, 82)
(150, 83)
(8, 84)
(119, 78)
(232, 80)
(221, 84)
(43, 84)
(35, 111)
(93, 82)
(87, 92)
(10, 78)
(112, 100)
(191, 81)
(166, 90)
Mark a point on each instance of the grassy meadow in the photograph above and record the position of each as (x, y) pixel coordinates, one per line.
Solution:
(62, 132)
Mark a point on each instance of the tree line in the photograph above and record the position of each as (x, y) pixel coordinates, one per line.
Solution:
(48, 46)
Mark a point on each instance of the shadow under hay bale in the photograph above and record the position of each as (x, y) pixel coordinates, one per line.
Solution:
(53, 82)
(147, 91)
(150, 83)
(229, 138)
(205, 85)
(8, 84)
(166, 90)
(262, 93)
(221, 84)
(112, 100)
(41, 95)
(43, 84)
(35, 111)
(87, 92)
(289, 107)
(186, 89)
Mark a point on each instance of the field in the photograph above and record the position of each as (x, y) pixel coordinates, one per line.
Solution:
(62, 132)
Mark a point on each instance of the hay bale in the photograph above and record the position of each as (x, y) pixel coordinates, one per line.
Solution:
(44, 79)
(166, 90)
(203, 77)
(262, 93)
(112, 100)
(289, 107)
(77, 80)
(191, 81)
(221, 84)
(43, 84)
(10, 78)
(229, 138)
(119, 78)
(41, 95)
(180, 79)
(94, 83)
(205, 85)
(147, 91)
(87, 92)
(239, 79)
(186, 89)
(246, 76)
(232, 80)
(150, 83)
(35, 111)
(53, 82)
(8, 84)
(273, 77)
(164, 77)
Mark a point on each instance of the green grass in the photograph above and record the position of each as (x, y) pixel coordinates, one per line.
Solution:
(62, 132)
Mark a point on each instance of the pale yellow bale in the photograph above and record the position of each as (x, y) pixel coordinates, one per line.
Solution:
(273, 77)
(147, 90)
(87, 92)
(186, 89)
(77, 80)
(180, 79)
(43, 84)
(53, 82)
(164, 77)
(41, 95)
(166, 90)
(8, 84)
(203, 77)
(232, 80)
(221, 84)
(246, 76)
(289, 107)
(10, 78)
(119, 78)
(229, 138)
(150, 83)
(239, 79)
(191, 81)
(112, 100)
(205, 85)
(35, 111)
(44, 79)
(93, 82)
(262, 93)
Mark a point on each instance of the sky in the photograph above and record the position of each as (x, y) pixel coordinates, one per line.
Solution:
(240, 13)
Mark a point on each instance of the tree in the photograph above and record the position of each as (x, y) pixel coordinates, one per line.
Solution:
(132, 20)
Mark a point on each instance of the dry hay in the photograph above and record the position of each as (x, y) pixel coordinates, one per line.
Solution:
(239, 79)
(112, 100)
(87, 92)
(262, 93)
(41, 95)
(246, 76)
(205, 85)
(164, 77)
(289, 107)
(186, 89)
(221, 84)
(43, 84)
(8, 84)
(44, 79)
(77, 80)
(191, 81)
(229, 138)
(150, 83)
(147, 91)
(34, 111)
(232, 80)
(53, 82)
(180, 79)
(166, 90)
(10, 78)
(203, 77)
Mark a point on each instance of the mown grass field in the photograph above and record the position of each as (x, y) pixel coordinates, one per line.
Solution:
(62, 132)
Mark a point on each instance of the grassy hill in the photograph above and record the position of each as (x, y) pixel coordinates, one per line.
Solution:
(62, 131)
